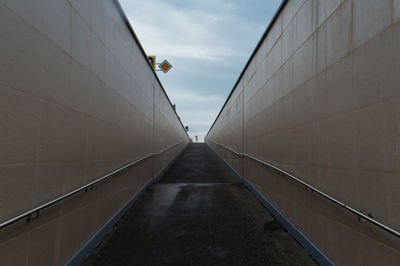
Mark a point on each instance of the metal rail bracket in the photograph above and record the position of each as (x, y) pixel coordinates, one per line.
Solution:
(32, 216)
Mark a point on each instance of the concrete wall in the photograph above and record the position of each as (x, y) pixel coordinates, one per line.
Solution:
(77, 100)
(320, 99)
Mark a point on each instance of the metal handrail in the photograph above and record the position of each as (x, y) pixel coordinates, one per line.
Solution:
(313, 189)
(36, 210)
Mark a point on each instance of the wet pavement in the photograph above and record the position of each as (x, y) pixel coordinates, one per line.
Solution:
(198, 214)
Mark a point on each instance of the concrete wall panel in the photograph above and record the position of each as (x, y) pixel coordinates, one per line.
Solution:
(78, 100)
(370, 18)
(329, 117)
(396, 10)
(339, 31)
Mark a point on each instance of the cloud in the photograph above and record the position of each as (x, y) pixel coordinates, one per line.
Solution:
(207, 42)
(192, 97)
(189, 33)
(198, 109)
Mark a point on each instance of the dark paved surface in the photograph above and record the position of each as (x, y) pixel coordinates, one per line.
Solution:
(198, 214)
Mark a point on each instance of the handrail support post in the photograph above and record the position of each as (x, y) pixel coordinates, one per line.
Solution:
(31, 217)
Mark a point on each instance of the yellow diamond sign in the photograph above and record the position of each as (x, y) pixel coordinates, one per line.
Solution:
(165, 66)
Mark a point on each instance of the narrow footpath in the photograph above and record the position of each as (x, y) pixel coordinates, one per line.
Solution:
(198, 214)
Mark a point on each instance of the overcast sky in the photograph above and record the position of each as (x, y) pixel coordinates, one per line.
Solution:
(208, 43)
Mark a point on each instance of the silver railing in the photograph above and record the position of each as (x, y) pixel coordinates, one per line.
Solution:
(35, 211)
(361, 217)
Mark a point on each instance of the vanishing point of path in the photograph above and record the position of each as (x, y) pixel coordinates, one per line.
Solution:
(198, 214)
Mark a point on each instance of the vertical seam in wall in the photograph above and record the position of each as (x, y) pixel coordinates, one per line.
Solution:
(36, 164)
(70, 39)
(392, 3)
(28, 248)
(294, 16)
(335, 10)
(243, 150)
(153, 140)
(351, 32)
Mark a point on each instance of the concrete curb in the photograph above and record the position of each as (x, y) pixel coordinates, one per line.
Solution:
(308, 245)
(97, 237)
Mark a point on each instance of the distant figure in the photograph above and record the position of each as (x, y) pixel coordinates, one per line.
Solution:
(197, 139)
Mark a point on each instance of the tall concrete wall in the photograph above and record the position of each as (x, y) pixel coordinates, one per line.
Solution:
(319, 98)
(77, 100)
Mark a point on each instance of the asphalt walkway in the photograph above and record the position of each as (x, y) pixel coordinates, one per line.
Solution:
(198, 214)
